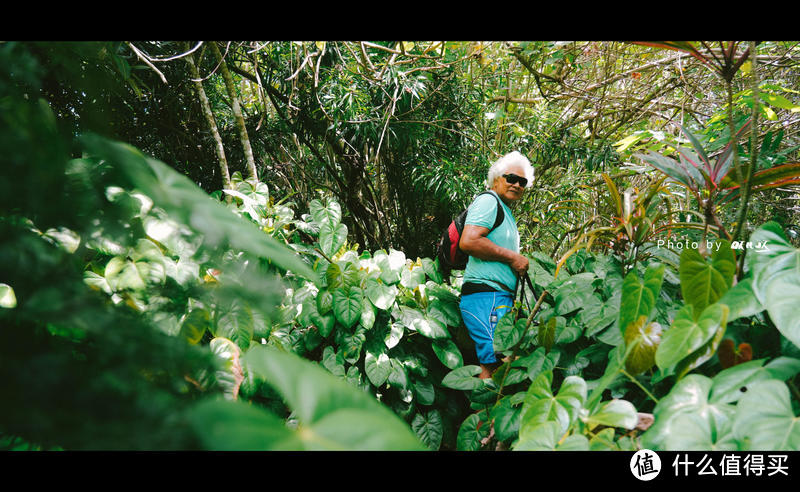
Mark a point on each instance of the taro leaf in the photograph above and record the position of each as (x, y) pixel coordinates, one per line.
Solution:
(486, 394)
(781, 296)
(547, 333)
(470, 434)
(765, 419)
(703, 283)
(390, 265)
(377, 366)
(463, 378)
(508, 332)
(230, 375)
(639, 298)
(741, 300)
(548, 436)
(236, 324)
(733, 383)
(333, 361)
(447, 352)
(332, 238)
(237, 426)
(430, 327)
(332, 413)
(7, 298)
(324, 302)
(445, 311)
(537, 362)
(574, 293)
(506, 418)
(398, 376)
(541, 405)
(411, 276)
(685, 419)
(347, 305)
(424, 392)
(380, 294)
(643, 341)
(614, 413)
(685, 342)
(431, 268)
(324, 323)
(351, 344)
(368, 314)
(326, 214)
(394, 335)
(428, 427)
(195, 324)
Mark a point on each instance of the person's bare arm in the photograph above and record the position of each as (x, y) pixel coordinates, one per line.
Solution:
(475, 243)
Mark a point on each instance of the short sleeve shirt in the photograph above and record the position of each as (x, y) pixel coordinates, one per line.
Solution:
(483, 212)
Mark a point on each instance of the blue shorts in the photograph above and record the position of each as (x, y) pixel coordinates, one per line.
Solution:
(480, 312)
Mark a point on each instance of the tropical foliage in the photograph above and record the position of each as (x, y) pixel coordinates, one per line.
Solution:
(231, 246)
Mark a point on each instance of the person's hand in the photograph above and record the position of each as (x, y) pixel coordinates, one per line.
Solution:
(519, 264)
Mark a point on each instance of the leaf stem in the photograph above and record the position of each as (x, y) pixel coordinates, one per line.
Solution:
(637, 383)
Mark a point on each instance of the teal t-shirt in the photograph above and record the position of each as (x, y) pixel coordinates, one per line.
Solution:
(482, 212)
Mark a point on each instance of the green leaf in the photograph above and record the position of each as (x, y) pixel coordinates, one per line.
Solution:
(381, 295)
(230, 375)
(377, 366)
(643, 342)
(470, 435)
(431, 268)
(236, 324)
(541, 405)
(733, 383)
(347, 305)
(185, 202)
(670, 167)
(703, 284)
(428, 427)
(7, 298)
(236, 426)
(547, 333)
(448, 353)
(330, 214)
(685, 419)
(573, 293)
(324, 302)
(332, 413)
(538, 362)
(412, 276)
(332, 237)
(508, 332)
(430, 327)
(687, 337)
(425, 392)
(741, 301)
(615, 413)
(765, 419)
(639, 298)
(548, 436)
(463, 378)
(507, 418)
(195, 324)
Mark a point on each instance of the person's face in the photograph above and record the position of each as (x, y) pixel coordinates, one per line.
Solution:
(510, 192)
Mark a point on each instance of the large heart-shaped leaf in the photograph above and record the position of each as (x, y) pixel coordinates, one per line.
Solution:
(429, 428)
(685, 419)
(332, 237)
(686, 338)
(330, 213)
(347, 305)
(380, 294)
(472, 431)
(332, 413)
(541, 405)
(614, 413)
(733, 383)
(765, 419)
(643, 340)
(703, 283)
(639, 298)
(508, 331)
(463, 378)
(548, 436)
(573, 293)
(448, 353)
(377, 366)
(537, 362)
(741, 300)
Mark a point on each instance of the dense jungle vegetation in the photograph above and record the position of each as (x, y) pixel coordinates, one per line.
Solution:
(232, 245)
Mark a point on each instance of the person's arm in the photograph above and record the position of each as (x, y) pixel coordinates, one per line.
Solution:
(475, 243)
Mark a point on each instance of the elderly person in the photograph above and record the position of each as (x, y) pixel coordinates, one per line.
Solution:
(491, 275)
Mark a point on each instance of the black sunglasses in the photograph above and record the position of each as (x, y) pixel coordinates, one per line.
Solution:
(513, 178)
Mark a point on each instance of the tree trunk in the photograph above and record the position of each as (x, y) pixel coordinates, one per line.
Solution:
(206, 107)
(237, 114)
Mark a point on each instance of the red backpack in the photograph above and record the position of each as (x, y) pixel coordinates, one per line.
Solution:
(450, 255)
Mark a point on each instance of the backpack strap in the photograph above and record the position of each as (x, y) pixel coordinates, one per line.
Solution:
(501, 214)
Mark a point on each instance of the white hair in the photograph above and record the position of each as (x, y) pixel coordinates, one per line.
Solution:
(502, 164)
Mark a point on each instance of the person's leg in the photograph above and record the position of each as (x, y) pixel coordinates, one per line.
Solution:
(481, 312)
